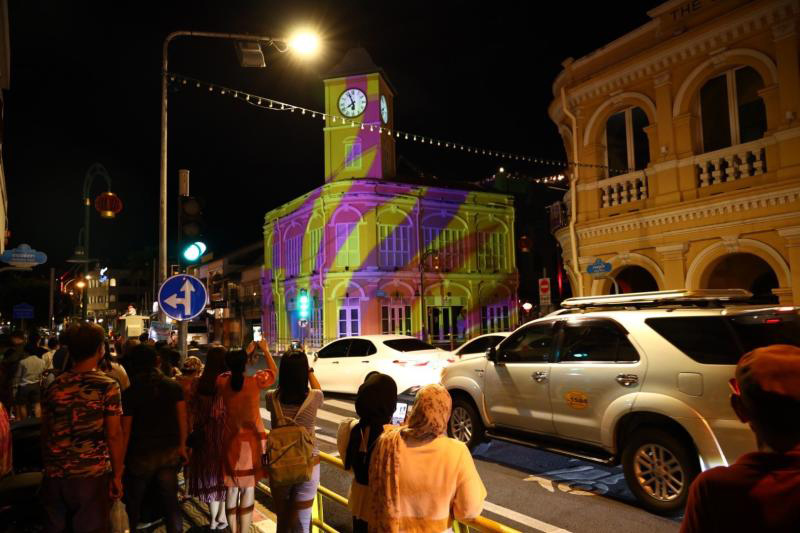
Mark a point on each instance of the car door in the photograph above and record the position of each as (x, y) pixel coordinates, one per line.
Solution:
(329, 364)
(359, 363)
(516, 383)
(596, 366)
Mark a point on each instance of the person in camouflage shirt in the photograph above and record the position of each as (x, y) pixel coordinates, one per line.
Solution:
(82, 440)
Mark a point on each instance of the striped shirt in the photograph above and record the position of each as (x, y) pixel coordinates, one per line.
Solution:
(307, 419)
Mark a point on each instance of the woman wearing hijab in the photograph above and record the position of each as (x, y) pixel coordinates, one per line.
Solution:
(417, 474)
(375, 404)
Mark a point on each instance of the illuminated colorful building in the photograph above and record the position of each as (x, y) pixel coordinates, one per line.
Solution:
(364, 246)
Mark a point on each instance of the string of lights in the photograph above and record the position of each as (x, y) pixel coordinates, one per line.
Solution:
(270, 104)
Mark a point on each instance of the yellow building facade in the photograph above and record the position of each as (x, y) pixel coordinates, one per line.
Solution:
(369, 252)
(687, 135)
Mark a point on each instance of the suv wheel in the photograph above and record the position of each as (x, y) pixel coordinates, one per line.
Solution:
(659, 469)
(465, 423)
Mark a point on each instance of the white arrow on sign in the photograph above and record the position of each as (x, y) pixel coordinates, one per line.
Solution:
(173, 301)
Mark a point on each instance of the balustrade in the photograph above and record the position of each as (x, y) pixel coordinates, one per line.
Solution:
(731, 164)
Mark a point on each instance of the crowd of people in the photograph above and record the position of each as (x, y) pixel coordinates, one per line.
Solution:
(127, 428)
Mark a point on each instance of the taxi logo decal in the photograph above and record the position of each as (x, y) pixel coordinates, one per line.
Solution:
(577, 399)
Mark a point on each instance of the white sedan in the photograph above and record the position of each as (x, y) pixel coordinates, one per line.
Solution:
(342, 365)
(477, 347)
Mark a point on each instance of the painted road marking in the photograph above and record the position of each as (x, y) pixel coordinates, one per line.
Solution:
(489, 506)
(522, 519)
(347, 406)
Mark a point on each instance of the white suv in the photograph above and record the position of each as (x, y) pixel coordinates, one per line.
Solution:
(638, 379)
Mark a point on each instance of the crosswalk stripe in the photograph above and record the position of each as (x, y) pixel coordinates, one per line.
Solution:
(321, 413)
(499, 510)
(348, 406)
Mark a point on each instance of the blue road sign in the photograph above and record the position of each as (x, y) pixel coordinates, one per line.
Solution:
(599, 267)
(182, 297)
(22, 311)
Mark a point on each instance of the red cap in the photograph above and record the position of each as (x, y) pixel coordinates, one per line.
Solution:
(774, 369)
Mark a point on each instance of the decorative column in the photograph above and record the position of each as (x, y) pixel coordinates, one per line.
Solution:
(791, 236)
(672, 263)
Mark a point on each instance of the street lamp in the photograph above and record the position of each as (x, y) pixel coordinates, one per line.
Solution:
(304, 43)
(108, 205)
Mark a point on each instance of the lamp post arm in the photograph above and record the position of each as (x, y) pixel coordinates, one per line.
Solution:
(279, 44)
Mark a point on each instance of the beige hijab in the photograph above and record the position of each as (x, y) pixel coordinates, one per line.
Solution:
(428, 420)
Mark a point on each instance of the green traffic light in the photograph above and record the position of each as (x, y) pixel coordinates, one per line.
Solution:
(194, 251)
(303, 301)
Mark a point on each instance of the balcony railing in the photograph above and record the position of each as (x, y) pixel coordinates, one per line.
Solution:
(731, 164)
(623, 189)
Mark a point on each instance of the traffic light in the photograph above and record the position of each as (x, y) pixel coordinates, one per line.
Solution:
(190, 228)
(302, 304)
(436, 261)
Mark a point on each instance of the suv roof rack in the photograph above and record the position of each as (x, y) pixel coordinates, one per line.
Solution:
(697, 297)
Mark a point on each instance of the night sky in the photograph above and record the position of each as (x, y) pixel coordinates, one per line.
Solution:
(85, 88)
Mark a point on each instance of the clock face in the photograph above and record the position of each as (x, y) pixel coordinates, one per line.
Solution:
(352, 102)
(384, 110)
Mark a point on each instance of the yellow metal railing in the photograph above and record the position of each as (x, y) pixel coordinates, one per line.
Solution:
(480, 523)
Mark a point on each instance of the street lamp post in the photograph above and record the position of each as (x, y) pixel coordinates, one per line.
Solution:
(95, 171)
(303, 42)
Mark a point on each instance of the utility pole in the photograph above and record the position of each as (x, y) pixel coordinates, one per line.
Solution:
(183, 325)
(52, 290)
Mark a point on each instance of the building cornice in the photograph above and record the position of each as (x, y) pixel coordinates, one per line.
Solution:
(696, 211)
(676, 51)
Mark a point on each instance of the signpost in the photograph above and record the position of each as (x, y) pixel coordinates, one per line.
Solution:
(22, 312)
(544, 293)
(23, 256)
(182, 298)
(600, 269)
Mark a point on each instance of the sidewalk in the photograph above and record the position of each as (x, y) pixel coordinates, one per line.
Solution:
(196, 518)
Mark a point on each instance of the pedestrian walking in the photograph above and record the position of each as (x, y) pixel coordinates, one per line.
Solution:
(155, 428)
(298, 395)
(375, 403)
(47, 357)
(82, 441)
(244, 433)
(761, 490)
(418, 476)
(114, 369)
(27, 386)
(204, 478)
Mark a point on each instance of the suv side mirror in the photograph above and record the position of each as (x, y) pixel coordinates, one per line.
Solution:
(491, 353)
(316, 357)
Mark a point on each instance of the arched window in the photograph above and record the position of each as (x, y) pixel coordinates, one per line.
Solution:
(731, 110)
(627, 146)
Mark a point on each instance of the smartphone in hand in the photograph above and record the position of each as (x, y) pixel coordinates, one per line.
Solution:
(400, 412)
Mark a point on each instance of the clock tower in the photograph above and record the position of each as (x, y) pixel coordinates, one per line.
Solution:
(359, 102)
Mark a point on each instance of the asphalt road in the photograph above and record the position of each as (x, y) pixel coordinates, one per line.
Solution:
(529, 490)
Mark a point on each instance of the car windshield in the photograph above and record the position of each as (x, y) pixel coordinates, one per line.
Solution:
(408, 345)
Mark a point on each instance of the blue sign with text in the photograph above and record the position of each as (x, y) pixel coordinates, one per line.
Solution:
(599, 267)
(22, 311)
(182, 297)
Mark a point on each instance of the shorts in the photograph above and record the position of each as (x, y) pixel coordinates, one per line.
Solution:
(29, 394)
(301, 492)
(80, 503)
